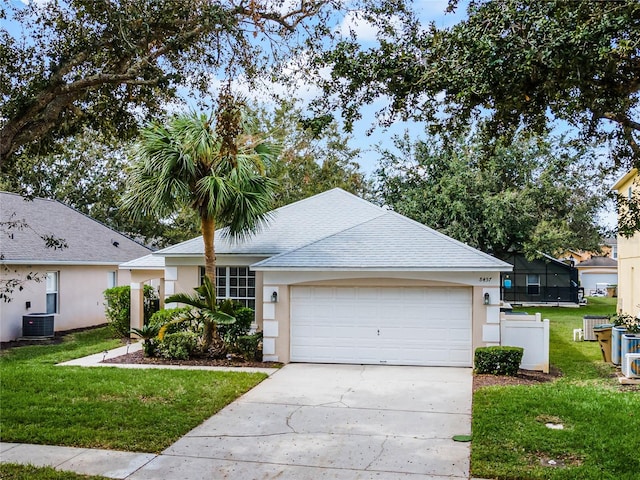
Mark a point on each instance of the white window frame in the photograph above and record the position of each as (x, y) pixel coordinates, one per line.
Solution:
(533, 284)
(53, 288)
(224, 289)
(112, 279)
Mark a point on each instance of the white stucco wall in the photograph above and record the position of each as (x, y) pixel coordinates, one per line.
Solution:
(80, 296)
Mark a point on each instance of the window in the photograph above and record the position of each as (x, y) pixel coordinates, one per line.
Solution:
(533, 284)
(237, 283)
(52, 292)
(614, 251)
(112, 279)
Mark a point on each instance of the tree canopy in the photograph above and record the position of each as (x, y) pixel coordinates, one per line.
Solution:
(512, 64)
(112, 65)
(529, 196)
(314, 155)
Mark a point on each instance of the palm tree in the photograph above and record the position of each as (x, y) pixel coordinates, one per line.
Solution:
(217, 171)
(215, 168)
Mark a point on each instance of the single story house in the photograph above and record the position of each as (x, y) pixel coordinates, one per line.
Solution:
(67, 282)
(597, 271)
(539, 281)
(629, 251)
(336, 279)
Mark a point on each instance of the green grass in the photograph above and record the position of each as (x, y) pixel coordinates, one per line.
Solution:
(9, 471)
(135, 410)
(600, 419)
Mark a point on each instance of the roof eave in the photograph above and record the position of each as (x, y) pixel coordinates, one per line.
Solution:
(625, 178)
(506, 268)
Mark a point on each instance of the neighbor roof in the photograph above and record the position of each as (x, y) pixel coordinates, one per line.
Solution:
(290, 227)
(88, 241)
(389, 241)
(598, 262)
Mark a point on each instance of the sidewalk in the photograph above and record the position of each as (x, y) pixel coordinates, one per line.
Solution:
(87, 461)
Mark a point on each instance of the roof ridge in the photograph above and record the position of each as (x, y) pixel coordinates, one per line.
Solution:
(382, 213)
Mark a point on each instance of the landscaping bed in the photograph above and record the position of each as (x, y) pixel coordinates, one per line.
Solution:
(234, 361)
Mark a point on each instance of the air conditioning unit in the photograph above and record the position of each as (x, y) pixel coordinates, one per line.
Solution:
(37, 325)
(631, 365)
(590, 321)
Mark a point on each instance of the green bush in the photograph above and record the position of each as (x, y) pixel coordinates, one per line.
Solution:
(244, 318)
(177, 346)
(249, 346)
(166, 316)
(118, 307)
(498, 360)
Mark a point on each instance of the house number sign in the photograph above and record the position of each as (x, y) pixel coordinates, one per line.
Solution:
(485, 279)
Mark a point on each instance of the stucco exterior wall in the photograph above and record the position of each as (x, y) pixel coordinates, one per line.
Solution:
(80, 296)
(629, 275)
(276, 316)
(629, 257)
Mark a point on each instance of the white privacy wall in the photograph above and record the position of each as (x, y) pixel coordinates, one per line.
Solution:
(531, 333)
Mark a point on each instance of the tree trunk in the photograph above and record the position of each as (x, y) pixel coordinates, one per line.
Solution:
(208, 229)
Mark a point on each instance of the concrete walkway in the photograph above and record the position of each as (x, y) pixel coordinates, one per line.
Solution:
(307, 422)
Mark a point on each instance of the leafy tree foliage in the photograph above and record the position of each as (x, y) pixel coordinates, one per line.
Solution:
(89, 173)
(513, 64)
(314, 155)
(104, 64)
(529, 196)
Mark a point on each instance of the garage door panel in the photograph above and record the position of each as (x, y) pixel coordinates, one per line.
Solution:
(389, 325)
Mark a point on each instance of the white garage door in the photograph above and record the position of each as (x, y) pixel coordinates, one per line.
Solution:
(381, 325)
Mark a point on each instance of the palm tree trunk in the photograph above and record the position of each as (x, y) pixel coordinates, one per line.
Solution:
(208, 229)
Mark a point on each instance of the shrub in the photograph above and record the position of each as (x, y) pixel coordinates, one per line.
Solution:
(167, 316)
(498, 360)
(148, 333)
(244, 318)
(118, 307)
(249, 346)
(177, 346)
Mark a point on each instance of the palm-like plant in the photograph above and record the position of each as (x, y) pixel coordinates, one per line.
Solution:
(217, 170)
(207, 309)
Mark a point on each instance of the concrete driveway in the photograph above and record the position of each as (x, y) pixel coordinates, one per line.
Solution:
(332, 421)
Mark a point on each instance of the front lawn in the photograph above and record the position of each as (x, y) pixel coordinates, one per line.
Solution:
(135, 410)
(9, 471)
(600, 419)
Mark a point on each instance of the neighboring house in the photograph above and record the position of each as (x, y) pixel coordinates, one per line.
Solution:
(629, 253)
(336, 279)
(72, 279)
(608, 248)
(543, 280)
(595, 272)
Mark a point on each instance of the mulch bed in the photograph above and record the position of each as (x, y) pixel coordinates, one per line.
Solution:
(524, 377)
(139, 358)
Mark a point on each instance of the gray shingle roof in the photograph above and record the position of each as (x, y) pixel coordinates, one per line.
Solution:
(389, 241)
(89, 241)
(291, 226)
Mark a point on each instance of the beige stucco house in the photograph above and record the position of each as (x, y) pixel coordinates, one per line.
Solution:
(71, 280)
(629, 251)
(336, 279)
